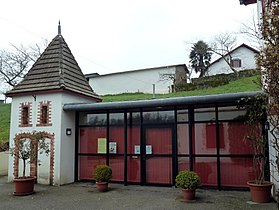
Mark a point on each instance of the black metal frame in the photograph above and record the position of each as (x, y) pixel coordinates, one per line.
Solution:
(191, 122)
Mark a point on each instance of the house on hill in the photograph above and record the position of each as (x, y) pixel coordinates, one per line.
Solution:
(241, 58)
(141, 80)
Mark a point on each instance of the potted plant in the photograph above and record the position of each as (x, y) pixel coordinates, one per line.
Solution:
(188, 181)
(102, 175)
(255, 117)
(27, 149)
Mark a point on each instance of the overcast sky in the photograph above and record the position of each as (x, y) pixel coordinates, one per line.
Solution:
(119, 35)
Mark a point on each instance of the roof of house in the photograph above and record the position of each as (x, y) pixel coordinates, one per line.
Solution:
(242, 45)
(55, 70)
(137, 70)
(246, 2)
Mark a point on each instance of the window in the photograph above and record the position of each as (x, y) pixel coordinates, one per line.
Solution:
(44, 114)
(25, 115)
(236, 63)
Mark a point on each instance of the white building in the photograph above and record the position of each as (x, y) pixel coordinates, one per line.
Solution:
(241, 58)
(37, 105)
(141, 80)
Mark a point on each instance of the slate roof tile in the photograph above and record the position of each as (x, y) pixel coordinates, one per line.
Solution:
(55, 69)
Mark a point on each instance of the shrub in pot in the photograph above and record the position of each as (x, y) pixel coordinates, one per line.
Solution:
(188, 181)
(27, 149)
(102, 175)
(255, 117)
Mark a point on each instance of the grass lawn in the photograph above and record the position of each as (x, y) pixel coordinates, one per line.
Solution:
(5, 110)
(242, 85)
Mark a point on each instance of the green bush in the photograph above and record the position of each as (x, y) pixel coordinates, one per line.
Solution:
(204, 84)
(102, 173)
(187, 180)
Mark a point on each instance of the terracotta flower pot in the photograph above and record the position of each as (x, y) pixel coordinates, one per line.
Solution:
(260, 193)
(24, 185)
(102, 186)
(189, 194)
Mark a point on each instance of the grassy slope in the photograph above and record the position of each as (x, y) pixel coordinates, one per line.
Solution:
(242, 85)
(5, 110)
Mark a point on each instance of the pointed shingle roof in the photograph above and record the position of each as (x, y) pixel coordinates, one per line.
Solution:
(55, 70)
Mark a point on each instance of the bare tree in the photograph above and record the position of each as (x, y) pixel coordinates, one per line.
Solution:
(251, 30)
(15, 62)
(167, 77)
(222, 45)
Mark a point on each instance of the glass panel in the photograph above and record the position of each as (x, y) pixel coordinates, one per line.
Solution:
(88, 139)
(183, 138)
(158, 117)
(204, 114)
(133, 118)
(182, 115)
(158, 141)
(133, 142)
(236, 171)
(183, 163)
(116, 140)
(206, 168)
(92, 119)
(116, 119)
(117, 166)
(133, 163)
(87, 165)
(204, 141)
(230, 113)
(159, 170)
(233, 136)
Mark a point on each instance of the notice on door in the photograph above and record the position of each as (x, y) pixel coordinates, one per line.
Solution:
(113, 147)
(137, 149)
(102, 145)
(148, 149)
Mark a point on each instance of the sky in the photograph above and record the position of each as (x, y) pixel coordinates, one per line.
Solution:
(108, 36)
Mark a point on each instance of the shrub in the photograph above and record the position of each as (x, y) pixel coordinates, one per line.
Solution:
(102, 173)
(187, 180)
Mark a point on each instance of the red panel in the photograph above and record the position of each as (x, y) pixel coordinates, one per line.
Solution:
(116, 134)
(236, 171)
(234, 138)
(89, 139)
(133, 138)
(183, 163)
(160, 139)
(133, 169)
(159, 170)
(183, 138)
(204, 138)
(87, 164)
(206, 168)
(117, 166)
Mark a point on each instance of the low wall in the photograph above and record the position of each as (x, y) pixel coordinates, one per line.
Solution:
(4, 160)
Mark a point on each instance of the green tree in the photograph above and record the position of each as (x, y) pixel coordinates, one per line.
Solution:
(200, 57)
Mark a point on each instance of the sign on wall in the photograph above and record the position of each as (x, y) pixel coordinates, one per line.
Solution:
(102, 145)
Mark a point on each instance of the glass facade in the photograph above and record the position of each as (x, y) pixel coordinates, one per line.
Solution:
(150, 147)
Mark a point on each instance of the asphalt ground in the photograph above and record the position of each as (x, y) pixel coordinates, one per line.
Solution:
(84, 195)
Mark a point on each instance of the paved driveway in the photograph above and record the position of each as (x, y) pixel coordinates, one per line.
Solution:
(85, 196)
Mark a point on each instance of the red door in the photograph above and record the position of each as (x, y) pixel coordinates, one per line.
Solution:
(158, 155)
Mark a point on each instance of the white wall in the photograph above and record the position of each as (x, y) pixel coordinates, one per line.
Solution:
(132, 81)
(246, 56)
(67, 143)
(63, 145)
